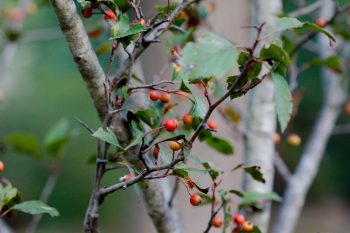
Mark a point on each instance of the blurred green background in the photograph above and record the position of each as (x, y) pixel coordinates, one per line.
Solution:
(43, 85)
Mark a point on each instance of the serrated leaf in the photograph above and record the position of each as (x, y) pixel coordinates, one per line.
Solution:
(58, 136)
(286, 23)
(255, 173)
(133, 30)
(24, 143)
(199, 109)
(213, 171)
(7, 194)
(36, 207)
(283, 100)
(180, 173)
(275, 53)
(212, 55)
(107, 135)
(149, 116)
(138, 134)
(220, 145)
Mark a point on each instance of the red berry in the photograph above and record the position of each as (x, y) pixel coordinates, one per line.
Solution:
(247, 226)
(155, 151)
(2, 166)
(109, 15)
(217, 222)
(187, 119)
(212, 124)
(87, 12)
(153, 95)
(165, 97)
(239, 219)
(195, 199)
(170, 124)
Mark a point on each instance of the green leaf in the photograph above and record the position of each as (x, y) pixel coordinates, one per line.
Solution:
(206, 199)
(125, 29)
(185, 88)
(255, 173)
(180, 173)
(256, 198)
(314, 27)
(134, 29)
(255, 230)
(58, 136)
(220, 145)
(213, 171)
(212, 55)
(199, 109)
(192, 169)
(331, 62)
(24, 143)
(275, 53)
(7, 194)
(286, 23)
(149, 116)
(138, 134)
(36, 207)
(107, 135)
(236, 192)
(283, 100)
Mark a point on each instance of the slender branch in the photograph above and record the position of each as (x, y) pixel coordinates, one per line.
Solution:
(123, 185)
(341, 129)
(306, 9)
(147, 38)
(210, 225)
(46, 193)
(173, 193)
(282, 168)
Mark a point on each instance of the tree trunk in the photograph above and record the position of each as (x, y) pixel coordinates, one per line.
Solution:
(261, 121)
(300, 182)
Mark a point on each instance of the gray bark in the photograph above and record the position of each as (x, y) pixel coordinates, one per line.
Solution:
(261, 121)
(300, 182)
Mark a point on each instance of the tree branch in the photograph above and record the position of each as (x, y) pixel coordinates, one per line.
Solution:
(147, 38)
(300, 182)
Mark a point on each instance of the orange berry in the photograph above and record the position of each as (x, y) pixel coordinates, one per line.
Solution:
(109, 15)
(175, 146)
(170, 124)
(247, 226)
(87, 13)
(276, 137)
(321, 22)
(293, 140)
(2, 166)
(165, 97)
(217, 222)
(195, 199)
(187, 119)
(143, 22)
(153, 95)
(212, 124)
(239, 219)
